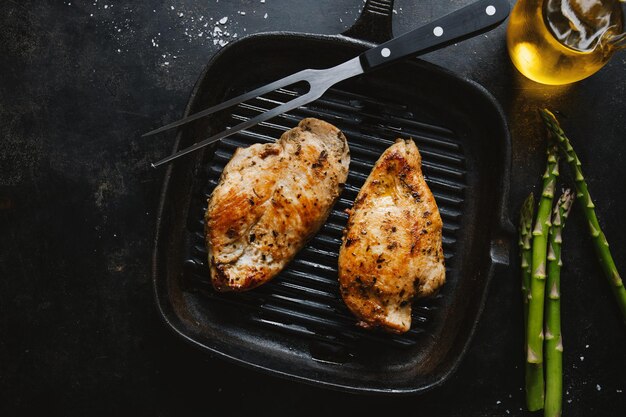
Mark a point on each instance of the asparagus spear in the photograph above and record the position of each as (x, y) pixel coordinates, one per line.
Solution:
(533, 373)
(534, 329)
(525, 232)
(582, 193)
(554, 342)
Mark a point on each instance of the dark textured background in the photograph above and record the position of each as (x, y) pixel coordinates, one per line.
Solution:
(79, 333)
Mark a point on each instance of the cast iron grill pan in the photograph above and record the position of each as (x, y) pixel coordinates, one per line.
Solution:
(297, 326)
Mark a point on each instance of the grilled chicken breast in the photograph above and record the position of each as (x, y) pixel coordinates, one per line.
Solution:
(391, 250)
(271, 198)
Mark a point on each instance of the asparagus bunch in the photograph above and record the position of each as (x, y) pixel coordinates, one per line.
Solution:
(534, 328)
(553, 339)
(582, 193)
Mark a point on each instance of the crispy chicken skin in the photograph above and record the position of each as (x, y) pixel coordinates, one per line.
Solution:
(271, 198)
(391, 250)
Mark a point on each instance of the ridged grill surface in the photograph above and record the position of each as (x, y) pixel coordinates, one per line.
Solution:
(382, 7)
(304, 299)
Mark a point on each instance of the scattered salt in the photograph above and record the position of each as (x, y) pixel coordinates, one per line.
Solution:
(265, 17)
(598, 387)
(618, 390)
(582, 358)
(498, 402)
(586, 346)
(223, 20)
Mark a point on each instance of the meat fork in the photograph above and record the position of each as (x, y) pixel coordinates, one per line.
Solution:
(478, 17)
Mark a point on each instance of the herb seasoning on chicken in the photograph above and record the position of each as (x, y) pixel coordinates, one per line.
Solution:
(271, 198)
(392, 249)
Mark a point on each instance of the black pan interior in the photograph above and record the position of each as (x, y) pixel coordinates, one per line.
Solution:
(297, 326)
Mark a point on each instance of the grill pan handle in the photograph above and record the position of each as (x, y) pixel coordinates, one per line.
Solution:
(375, 22)
(464, 23)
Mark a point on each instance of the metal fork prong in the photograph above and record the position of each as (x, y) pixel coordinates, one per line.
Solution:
(290, 105)
(283, 82)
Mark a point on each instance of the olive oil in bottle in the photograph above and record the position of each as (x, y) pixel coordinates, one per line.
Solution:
(563, 41)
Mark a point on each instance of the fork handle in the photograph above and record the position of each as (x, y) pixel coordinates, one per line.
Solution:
(478, 17)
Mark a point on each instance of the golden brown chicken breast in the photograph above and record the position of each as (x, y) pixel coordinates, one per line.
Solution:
(271, 198)
(391, 249)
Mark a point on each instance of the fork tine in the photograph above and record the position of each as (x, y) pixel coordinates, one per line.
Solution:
(290, 105)
(283, 82)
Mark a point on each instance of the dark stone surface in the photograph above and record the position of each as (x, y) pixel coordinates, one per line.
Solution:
(79, 334)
